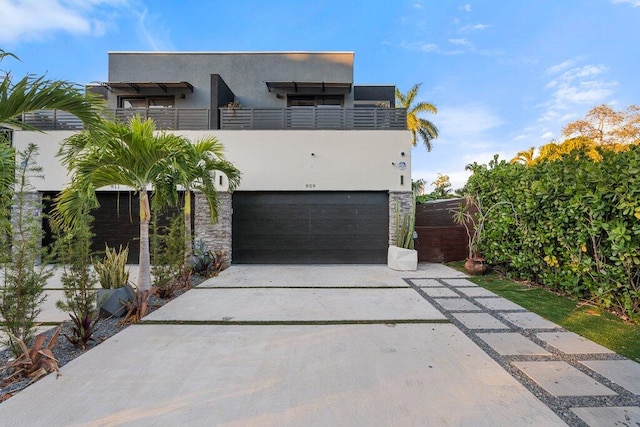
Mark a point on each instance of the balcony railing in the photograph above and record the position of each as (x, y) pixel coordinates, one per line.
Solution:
(314, 118)
(244, 118)
(169, 118)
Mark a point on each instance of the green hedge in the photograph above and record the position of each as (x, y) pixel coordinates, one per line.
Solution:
(572, 224)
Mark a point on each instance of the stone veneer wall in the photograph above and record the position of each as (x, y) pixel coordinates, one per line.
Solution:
(405, 198)
(216, 236)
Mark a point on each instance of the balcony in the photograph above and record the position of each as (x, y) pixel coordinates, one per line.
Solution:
(314, 118)
(239, 119)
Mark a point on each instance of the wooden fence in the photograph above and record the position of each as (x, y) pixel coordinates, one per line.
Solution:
(440, 239)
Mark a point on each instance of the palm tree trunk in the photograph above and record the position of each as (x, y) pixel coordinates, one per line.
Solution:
(144, 267)
(187, 224)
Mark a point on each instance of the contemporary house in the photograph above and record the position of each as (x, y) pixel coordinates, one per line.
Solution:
(324, 162)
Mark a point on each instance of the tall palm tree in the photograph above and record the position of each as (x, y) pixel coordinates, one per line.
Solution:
(419, 127)
(202, 160)
(130, 155)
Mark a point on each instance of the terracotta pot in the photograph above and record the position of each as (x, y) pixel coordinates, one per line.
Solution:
(475, 266)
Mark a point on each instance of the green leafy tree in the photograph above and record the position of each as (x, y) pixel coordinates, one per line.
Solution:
(419, 127)
(131, 155)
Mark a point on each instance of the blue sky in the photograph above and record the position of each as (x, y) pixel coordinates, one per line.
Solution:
(505, 75)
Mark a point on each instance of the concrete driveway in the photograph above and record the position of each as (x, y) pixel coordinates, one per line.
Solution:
(337, 346)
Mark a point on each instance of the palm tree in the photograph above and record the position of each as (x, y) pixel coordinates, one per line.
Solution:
(132, 155)
(418, 126)
(525, 157)
(202, 160)
(33, 93)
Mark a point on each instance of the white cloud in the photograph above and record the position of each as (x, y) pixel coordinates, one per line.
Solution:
(25, 20)
(151, 32)
(417, 5)
(428, 48)
(466, 7)
(476, 27)
(634, 3)
(466, 124)
(461, 42)
(575, 86)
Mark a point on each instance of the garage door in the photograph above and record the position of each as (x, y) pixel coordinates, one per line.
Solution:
(116, 222)
(310, 227)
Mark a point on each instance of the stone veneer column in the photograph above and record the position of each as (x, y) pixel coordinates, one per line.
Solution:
(217, 236)
(405, 198)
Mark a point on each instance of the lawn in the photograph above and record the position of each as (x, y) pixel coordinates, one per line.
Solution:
(593, 323)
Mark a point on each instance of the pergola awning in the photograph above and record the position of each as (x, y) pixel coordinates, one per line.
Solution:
(111, 86)
(310, 87)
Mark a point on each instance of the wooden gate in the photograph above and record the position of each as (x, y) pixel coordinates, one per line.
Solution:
(440, 239)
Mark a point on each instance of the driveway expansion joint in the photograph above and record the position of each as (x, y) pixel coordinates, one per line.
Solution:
(292, 322)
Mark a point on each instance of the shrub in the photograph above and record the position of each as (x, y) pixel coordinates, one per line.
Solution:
(78, 279)
(576, 227)
(22, 258)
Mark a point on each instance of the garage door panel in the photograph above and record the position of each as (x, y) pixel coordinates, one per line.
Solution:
(310, 227)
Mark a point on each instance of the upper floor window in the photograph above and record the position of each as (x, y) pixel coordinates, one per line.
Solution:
(372, 104)
(147, 102)
(314, 101)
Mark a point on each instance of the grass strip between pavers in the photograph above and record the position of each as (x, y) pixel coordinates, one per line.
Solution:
(292, 322)
(591, 322)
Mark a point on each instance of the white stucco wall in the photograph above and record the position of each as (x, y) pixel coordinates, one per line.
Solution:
(281, 160)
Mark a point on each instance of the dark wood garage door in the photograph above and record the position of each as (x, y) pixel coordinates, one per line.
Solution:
(116, 222)
(310, 227)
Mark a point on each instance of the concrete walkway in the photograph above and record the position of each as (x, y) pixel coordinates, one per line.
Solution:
(338, 346)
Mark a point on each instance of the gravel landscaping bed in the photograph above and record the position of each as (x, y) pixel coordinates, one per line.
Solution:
(65, 352)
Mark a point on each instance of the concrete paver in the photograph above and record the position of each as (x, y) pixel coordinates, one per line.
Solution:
(457, 304)
(498, 304)
(298, 276)
(512, 344)
(423, 283)
(479, 321)
(562, 379)
(476, 292)
(276, 304)
(440, 292)
(529, 320)
(617, 416)
(625, 373)
(571, 343)
(461, 283)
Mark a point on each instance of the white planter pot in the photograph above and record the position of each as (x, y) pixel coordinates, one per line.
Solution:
(402, 259)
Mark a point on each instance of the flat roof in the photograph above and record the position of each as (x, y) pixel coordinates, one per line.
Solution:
(230, 52)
